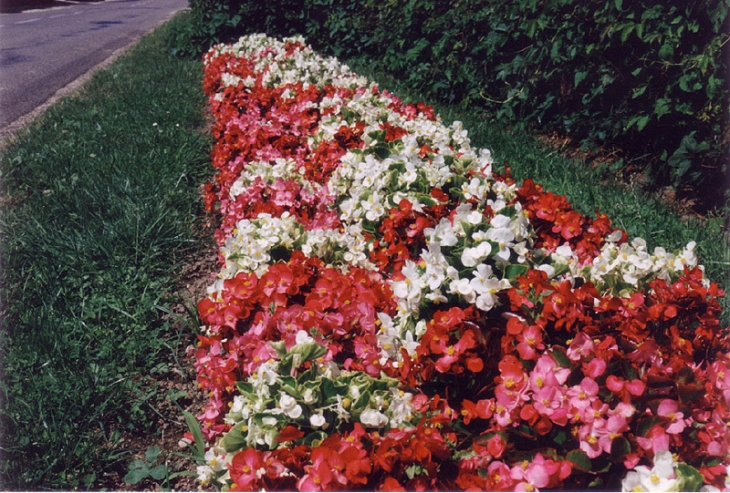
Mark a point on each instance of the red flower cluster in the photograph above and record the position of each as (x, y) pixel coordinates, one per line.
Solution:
(556, 223)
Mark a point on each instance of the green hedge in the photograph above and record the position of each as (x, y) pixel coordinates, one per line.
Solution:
(648, 77)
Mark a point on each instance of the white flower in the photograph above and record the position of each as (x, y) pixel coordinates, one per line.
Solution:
(503, 236)
(472, 256)
(373, 418)
(317, 420)
(303, 337)
(309, 396)
(329, 370)
(215, 460)
(464, 288)
(400, 409)
(661, 477)
(205, 474)
(342, 413)
(409, 289)
(289, 406)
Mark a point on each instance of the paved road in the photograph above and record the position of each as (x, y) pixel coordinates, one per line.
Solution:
(43, 50)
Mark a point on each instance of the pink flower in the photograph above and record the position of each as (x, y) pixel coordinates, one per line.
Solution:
(530, 341)
(550, 402)
(655, 441)
(547, 373)
(597, 410)
(512, 384)
(540, 472)
(669, 408)
(581, 396)
(594, 368)
(581, 347)
(589, 439)
(613, 427)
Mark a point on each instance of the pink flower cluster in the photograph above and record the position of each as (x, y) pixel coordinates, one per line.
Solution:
(552, 384)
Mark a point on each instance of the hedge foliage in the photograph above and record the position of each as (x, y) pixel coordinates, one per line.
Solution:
(645, 76)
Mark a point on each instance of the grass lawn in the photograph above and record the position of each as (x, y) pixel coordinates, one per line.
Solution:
(101, 234)
(100, 213)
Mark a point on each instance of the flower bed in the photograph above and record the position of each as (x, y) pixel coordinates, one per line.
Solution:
(392, 314)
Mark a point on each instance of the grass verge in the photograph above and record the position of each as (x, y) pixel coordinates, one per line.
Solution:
(99, 210)
(639, 214)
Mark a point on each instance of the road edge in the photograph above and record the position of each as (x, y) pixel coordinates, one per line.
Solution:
(11, 130)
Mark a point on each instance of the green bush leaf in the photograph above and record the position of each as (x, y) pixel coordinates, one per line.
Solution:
(579, 77)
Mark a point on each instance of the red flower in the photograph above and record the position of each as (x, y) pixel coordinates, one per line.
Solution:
(244, 469)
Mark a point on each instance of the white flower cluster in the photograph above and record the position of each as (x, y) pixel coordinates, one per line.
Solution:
(249, 247)
(215, 467)
(666, 475)
(269, 173)
(269, 400)
(339, 248)
(623, 269)
(279, 68)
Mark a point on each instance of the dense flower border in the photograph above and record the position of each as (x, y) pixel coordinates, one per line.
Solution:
(392, 314)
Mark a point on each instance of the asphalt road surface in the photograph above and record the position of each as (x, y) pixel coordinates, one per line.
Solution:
(45, 49)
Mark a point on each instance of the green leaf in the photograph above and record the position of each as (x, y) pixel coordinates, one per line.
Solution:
(689, 393)
(158, 472)
(638, 91)
(580, 459)
(514, 271)
(279, 347)
(377, 135)
(647, 424)
(689, 478)
(560, 437)
(626, 31)
(596, 483)
(310, 351)
(661, 107)
(381, 151)
(666, 51)
(638, 120)
(415, 470)
(152, 454)
(619, 448)
(138, 470)
(332, 388)
(561, 358)
(629, 370)
(194, 427)
(579, 77)
(235, 439)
